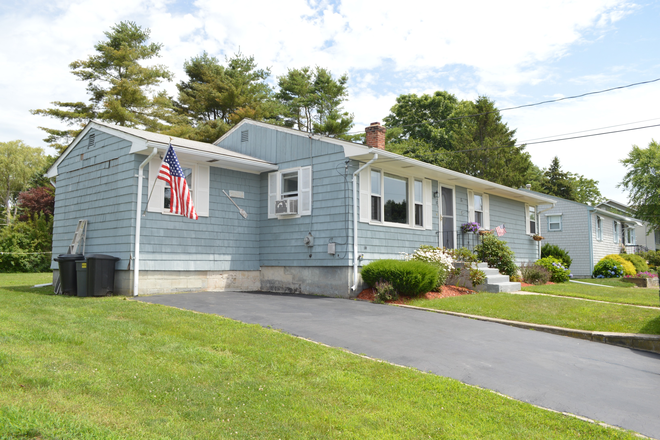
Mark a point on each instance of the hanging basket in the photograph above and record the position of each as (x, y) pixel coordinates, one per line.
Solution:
(484, 232)
(537, 237)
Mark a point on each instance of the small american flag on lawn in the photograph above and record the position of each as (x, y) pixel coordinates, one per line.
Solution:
(171, 172)
(501, 230)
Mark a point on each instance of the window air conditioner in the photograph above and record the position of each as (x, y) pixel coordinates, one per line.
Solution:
(286, 206)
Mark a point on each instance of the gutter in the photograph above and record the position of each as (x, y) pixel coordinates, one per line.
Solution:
(355, 221)
(136, 267)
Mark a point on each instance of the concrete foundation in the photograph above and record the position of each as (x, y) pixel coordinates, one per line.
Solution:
(327, 281)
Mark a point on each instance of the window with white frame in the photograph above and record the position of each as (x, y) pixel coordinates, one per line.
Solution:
(630, 235)
(554, 222)
(198, 181)
(615, 231)
(376, 199)
(599, 228)
(531, 216)
(478, 209)
(386, 197)
(290, 193)
(419, 202)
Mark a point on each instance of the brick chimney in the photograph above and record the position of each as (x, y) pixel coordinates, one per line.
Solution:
(375, 135)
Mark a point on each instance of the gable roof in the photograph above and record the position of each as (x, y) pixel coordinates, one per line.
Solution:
(142, 142)
(364, 153)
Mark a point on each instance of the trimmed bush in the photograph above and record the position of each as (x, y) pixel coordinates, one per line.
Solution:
(552, 250)
(497, 254)
(637, 261)
(608, 268)
(653, 258)
(628, 268)
(409, 278)
(558, 273)
(436, 256)
(534, 273)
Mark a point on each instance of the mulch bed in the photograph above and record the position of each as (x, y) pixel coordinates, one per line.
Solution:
(447, 291)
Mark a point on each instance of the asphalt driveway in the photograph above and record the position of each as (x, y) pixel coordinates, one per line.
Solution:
(618, 386)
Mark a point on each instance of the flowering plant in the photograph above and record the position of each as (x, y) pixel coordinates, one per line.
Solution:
(470, 227)
(558, 273)
(608, 268)
(643, 275)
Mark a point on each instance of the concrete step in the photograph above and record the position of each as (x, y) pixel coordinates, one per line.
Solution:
(490, 271)
(499, 288)
(497, 279)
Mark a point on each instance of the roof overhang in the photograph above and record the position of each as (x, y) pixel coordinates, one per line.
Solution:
(623, 218)
(143, 143)
(443, 175)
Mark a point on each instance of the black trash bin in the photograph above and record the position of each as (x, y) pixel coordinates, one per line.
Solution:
(81, 277)
(67, 265)
(100, 274)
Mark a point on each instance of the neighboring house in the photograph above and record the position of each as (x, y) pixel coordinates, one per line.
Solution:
(299, 191)
(587, 233)
(638, 238)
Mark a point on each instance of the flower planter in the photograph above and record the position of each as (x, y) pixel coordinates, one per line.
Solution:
(537, 238)
(642, 282)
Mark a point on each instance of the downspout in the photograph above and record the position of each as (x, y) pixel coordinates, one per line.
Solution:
(52, 182)
(136, 267)
(591, 209)
(355, 221)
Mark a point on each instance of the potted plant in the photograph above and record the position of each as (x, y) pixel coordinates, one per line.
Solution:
(472, 227)
(537, 237)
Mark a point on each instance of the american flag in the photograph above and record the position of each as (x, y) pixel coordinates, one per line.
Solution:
(501, 230)
(171, 172)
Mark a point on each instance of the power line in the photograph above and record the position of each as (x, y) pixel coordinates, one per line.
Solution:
(593, 129)
(531, 105)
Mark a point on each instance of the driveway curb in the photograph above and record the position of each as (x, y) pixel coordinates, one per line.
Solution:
(649, 343)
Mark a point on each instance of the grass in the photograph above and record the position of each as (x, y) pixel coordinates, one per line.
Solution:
(110, 368)
(561, 312)
(618, 294)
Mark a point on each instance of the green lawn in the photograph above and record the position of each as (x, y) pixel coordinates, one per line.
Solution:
(110, 368)
(619, 294)
(561, 312)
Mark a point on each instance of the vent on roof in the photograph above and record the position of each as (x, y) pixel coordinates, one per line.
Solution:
(91, 140)
(244, 136)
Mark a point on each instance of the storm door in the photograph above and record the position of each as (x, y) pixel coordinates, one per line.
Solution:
(447, 229)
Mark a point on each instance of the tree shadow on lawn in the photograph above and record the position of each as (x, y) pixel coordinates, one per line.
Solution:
(46, 290)
(652, 327)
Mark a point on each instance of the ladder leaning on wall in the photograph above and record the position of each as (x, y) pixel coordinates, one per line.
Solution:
(80, 234)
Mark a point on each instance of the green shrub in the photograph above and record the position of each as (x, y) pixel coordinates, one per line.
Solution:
(463, 254)
(558, 273)
(637, 261)
(385, 292)
(409, 278)
(608, 268)
(437, 256)
(497, 254)
(653, 258)
(552, 250)
(534, 273)
(25, 246)
(628, 268)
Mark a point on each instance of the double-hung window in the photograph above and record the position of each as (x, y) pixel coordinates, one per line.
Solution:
(419, 203)
(197, 179)
(290, 193)
(530, 220)
(395, 193)
(630, 235)
(478, 209)
(615, 232)
(376, 198)
(554, 222)
(599, 228)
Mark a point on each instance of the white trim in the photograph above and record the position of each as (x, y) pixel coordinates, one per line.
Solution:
(427, 200)
(485, 202)
(275, 180)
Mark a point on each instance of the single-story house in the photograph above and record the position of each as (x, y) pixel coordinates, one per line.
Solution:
(318, 208)
(588, 233)
(638, 238)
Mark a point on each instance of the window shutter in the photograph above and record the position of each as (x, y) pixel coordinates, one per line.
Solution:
(156, 200)
(428, 204)
(470, 197)
(527, 230)
(201, 190)
(305, 179)
(365, 195)
(486, 203)
(272, 193)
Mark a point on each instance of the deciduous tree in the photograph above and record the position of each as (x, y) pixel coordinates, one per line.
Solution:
(642, 180)
(17, 164)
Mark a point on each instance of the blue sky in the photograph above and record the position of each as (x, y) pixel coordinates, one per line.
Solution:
(515, 52)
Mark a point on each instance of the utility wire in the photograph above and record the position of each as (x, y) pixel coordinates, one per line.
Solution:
(533, 104)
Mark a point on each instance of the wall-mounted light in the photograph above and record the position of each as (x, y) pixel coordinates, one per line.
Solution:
(436, 194)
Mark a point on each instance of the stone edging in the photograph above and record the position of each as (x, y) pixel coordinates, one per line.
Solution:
(649, 343)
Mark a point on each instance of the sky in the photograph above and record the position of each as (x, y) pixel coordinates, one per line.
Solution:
(514, 52)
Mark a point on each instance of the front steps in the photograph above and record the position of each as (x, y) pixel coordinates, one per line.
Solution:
(495, 282)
